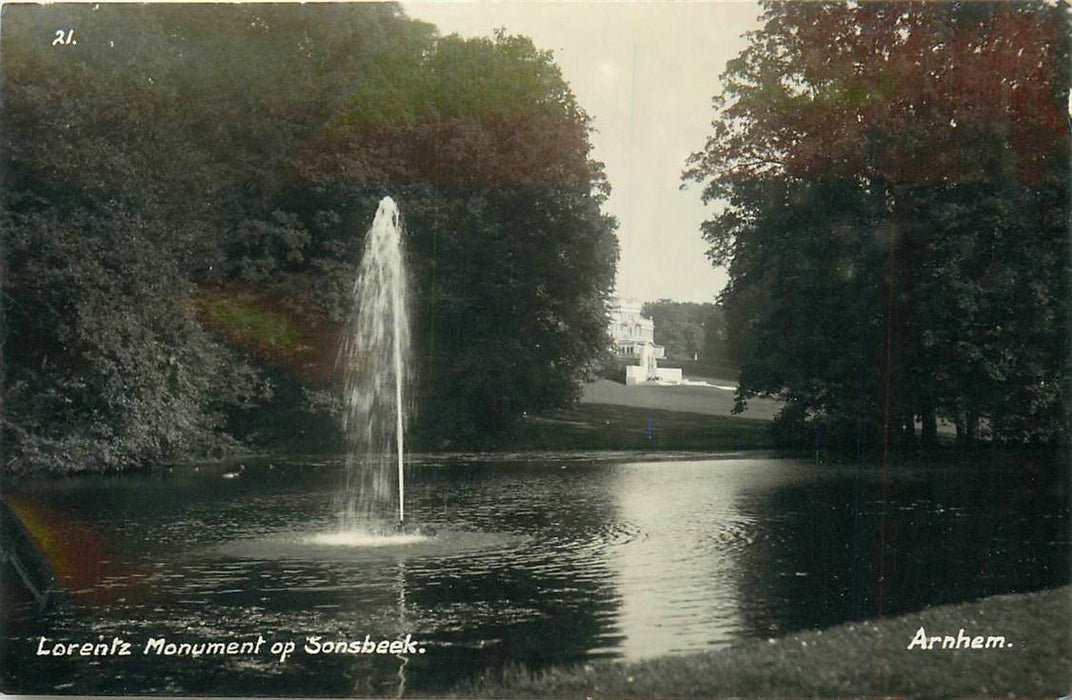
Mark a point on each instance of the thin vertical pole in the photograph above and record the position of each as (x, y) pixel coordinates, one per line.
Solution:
(397, 313)
(398, 428)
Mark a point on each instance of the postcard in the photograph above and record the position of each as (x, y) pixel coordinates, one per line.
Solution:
(518, 349)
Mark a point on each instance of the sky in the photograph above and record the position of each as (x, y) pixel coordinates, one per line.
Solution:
(646, 73)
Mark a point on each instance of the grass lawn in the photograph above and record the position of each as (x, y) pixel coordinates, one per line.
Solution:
(611, 427)
(708, 401)
(612, 416)
(868, 659)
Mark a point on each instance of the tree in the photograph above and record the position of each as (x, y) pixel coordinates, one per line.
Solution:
(895, 180)
(215, 169)
(688, 330)
(107, 366)
(487, 153)
(139, 161)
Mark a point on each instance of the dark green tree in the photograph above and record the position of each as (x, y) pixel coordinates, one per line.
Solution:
(688, 331)
(896, 176)
(139, 161)
(184, 198)
(486, 151)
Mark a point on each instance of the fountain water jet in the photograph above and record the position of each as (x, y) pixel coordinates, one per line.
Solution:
(374, 353)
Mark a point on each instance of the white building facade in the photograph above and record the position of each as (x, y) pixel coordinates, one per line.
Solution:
(632, 333)
(634, 341)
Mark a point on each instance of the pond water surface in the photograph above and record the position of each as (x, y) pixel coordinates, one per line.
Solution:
(540, 560)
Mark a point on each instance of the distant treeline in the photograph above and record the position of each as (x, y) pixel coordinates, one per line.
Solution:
(691, 331)
(186, 191)
(895, 182)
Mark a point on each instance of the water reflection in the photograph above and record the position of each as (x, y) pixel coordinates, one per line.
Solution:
(847, 548)
(674, 577)
(548, 561)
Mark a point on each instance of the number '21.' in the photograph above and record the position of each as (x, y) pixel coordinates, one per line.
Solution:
(64, 38)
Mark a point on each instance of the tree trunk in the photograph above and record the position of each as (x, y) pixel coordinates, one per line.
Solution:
(971, 428)
(930, 428)
(909, 439)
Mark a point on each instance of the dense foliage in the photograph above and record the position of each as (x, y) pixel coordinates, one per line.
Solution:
(186, 190)
(688, 330)
(895, 207)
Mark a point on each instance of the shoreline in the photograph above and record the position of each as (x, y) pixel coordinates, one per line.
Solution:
(953, 459)
(610, 421)
(867, 658)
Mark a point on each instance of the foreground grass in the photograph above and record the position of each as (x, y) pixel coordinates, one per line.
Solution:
(860, 659)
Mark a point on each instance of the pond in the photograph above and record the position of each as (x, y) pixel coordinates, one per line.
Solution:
(539, 560)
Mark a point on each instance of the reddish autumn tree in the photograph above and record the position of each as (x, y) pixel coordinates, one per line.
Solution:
(895, 180)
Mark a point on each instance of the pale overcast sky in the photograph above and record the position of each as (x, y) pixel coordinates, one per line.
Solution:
(646, 73)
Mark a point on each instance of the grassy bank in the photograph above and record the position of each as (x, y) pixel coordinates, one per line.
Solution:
(859, 659)
(612, 416)
(611, 427)
(717, 400)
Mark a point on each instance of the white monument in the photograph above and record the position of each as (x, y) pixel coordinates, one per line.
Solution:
(634, 341)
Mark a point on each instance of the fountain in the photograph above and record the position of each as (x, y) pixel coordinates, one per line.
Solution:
(374, 353)
(371, 511)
